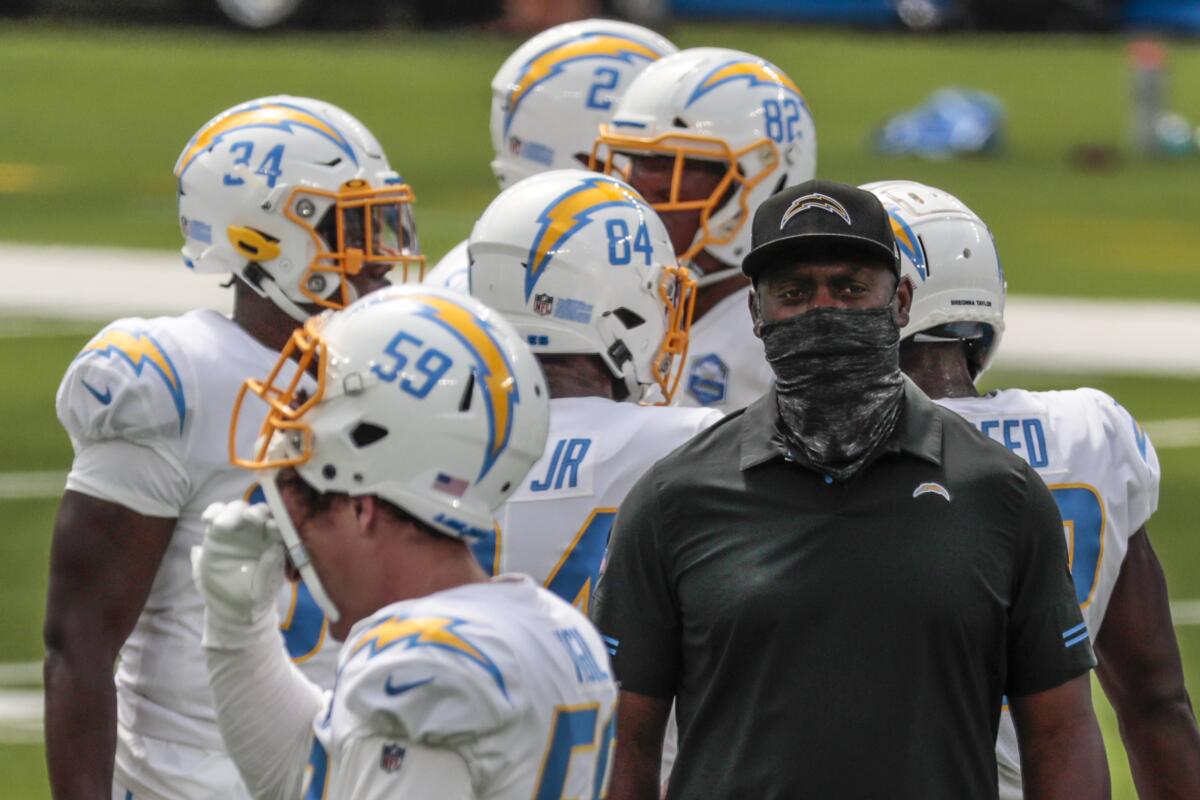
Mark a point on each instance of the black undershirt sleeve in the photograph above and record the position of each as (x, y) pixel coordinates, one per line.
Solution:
(1048, 643)
(634, 606)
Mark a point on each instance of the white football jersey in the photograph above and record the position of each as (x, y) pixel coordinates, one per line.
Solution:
(727, 368)
(503, 673)
(452, 272)
(1103, 472)
(561, 516)
(147, 405)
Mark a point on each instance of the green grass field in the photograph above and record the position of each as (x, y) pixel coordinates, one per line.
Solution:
(92, 120)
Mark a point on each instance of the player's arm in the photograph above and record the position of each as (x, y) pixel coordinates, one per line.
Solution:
(637, 763)
(103, 559)
(1062, 753)
(265, 707)
(1141, 672)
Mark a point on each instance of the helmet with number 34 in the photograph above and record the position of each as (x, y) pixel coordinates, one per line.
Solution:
(725, 107)
(296, 198)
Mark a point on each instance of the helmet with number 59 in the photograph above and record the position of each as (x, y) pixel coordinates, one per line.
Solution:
(296, 198)
(731, 113)
(424, 398)
(579, 264)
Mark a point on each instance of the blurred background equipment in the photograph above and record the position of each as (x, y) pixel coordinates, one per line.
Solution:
(951, 122)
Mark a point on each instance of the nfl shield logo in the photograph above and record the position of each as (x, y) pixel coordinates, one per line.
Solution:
(543, 304)
(392, 757)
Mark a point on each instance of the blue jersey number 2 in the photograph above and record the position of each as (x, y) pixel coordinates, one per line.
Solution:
(1083, 517)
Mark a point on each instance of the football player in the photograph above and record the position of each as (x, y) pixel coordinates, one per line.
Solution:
(706, 135)
(428, 412)
(296, 199)
(1096, 459)
(548, 100)
(584, 270)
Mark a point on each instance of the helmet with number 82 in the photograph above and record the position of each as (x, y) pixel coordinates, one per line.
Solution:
(550, 96)
(949, 255)
(296, 198)
(725, 107)
(578, 263)
(424, 398)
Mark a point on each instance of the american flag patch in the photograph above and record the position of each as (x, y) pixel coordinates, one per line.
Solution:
(449, 485)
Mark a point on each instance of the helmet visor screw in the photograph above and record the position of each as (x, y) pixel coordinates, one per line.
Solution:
(305, 208)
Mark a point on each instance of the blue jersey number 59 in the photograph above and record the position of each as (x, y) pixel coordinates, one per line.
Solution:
(575, 729)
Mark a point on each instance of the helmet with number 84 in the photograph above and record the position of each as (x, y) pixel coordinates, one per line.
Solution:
(579, 264)
(404, 372)
(949, 255)
(296, 198)
(735, 113)
(550, 96)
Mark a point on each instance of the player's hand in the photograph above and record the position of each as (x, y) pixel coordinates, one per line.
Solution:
(239, 568)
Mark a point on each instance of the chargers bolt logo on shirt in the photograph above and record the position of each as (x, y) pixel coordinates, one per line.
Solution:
(815, 200)
(932, 488)
(437, 632)
(753, 71)
(281, 115)
(493, 372)
(569, 213)
(138, 348)
(552, 61)
(908, 243)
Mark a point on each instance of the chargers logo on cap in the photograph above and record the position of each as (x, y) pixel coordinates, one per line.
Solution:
(815, 200)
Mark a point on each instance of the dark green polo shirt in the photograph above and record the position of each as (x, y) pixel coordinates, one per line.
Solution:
(829, 640)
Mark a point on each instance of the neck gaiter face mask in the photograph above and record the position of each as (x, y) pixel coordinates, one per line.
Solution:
(837, 383)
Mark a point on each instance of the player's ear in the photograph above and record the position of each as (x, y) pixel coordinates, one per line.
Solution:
(365, 508)
(903, 301)
(755, 309)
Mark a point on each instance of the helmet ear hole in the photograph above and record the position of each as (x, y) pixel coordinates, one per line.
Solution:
(630, 319)
(367, 433)
(464, 405)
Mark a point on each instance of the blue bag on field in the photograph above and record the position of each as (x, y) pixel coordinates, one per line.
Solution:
(951, 122)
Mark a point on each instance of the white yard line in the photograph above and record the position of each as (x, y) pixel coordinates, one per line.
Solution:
(31, 485)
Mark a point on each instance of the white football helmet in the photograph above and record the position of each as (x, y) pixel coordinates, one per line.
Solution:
(293, 196)
(578, 263)
(715, 105)
(424, 398)
(550, 96)
(949, 255)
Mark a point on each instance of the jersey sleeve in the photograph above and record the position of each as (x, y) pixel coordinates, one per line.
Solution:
(122, 402)
(634, 607)
(377, 767)
(1048, 642)
(1134, 471)
(431, 680)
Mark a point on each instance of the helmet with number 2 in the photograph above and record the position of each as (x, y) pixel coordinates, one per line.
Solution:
(550, 96)
(949, 255)
(405, 371)
(294, 196)
(720, 106)
(578, 263)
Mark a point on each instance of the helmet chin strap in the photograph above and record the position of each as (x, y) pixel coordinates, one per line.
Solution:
(295, 548)
(289, 306)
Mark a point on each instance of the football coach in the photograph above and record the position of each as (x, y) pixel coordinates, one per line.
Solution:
(841, 585)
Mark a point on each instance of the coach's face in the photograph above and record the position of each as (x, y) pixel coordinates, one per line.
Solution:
(794, 289)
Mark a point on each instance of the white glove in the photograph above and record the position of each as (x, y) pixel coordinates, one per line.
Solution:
(239, 569)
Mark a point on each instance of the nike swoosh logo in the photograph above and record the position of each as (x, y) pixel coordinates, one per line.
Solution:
(401, 688)
(105, 398)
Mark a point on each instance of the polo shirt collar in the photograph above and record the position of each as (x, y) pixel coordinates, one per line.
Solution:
(918, 433)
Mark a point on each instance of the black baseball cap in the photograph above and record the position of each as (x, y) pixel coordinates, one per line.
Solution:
(817, 220)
